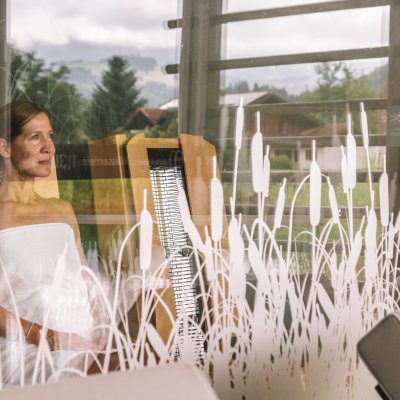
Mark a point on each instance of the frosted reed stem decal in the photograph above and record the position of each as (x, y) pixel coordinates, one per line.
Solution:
(365, 137)
(238, 145)
(278, 321)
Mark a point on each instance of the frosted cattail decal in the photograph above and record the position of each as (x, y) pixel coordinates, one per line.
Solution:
(397, 224)
(349, 122)
(354, 256)
(184, 209)
(208, 255)
(146, 235)
(266, 172)
(384, 195)
(277, 314)
(59, 274)
(217, 205)
(370, 231)
(237, 251)
(364, 130)
(315, 190)
(257, 158)
(258, 266)
(239, 125)
(333, 202)
(345, 180)
(370, 246)
(364, 126)
(280, 204)
(238, 146)
(187, 222)
(236, 243)
(391, 235)
(156, 342)
(351, 157)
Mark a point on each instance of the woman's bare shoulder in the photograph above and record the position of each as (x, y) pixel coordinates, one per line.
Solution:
(42, 210)
(63, 212)
(60, 205)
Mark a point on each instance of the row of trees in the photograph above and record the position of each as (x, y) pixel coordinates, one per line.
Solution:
(75, 119)
(117, 96)
(335, 81)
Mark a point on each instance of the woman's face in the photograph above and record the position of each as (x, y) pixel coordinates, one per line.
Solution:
(33, 150)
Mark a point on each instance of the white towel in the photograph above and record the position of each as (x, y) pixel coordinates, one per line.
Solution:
(28, 259)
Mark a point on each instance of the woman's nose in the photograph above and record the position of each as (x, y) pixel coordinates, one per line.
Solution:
(48, 146)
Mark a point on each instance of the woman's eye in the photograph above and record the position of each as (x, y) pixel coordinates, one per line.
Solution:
(35, 137)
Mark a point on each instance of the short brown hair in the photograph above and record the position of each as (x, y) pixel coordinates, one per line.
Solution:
(15, 115)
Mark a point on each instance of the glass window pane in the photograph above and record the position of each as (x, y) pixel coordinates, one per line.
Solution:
(360, 28)
(259, 255)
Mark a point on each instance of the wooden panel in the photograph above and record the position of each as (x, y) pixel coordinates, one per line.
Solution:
(198, 166)
(112, 196)
(139, 168)
(197, 156)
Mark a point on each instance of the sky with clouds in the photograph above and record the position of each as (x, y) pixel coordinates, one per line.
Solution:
(130, 22)
(140, 25)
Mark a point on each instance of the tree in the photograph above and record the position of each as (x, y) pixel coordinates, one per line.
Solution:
(30, 80)
(237, 87)
(336, 81)
(166, 127)
(115, 99)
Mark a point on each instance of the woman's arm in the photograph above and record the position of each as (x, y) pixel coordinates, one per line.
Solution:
(70, 218)
(32, 333)
(30, 330)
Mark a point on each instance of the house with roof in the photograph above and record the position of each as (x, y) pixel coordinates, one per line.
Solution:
(274, 126)
(143, 119)
(332, 136)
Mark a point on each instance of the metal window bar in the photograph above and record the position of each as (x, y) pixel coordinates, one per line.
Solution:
(312, 57)
(288, 11)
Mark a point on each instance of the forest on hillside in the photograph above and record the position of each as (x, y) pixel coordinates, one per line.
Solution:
(118, 95)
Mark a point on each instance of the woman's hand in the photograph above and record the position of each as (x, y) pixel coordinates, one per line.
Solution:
(58, 340)
(33, 333)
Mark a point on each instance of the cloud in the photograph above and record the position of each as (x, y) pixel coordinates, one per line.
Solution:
(338, 30)
(140, 24)
(88, 28)
(116, 22)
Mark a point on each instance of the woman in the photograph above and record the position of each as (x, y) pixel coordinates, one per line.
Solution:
(29, 154)
(41, 284)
